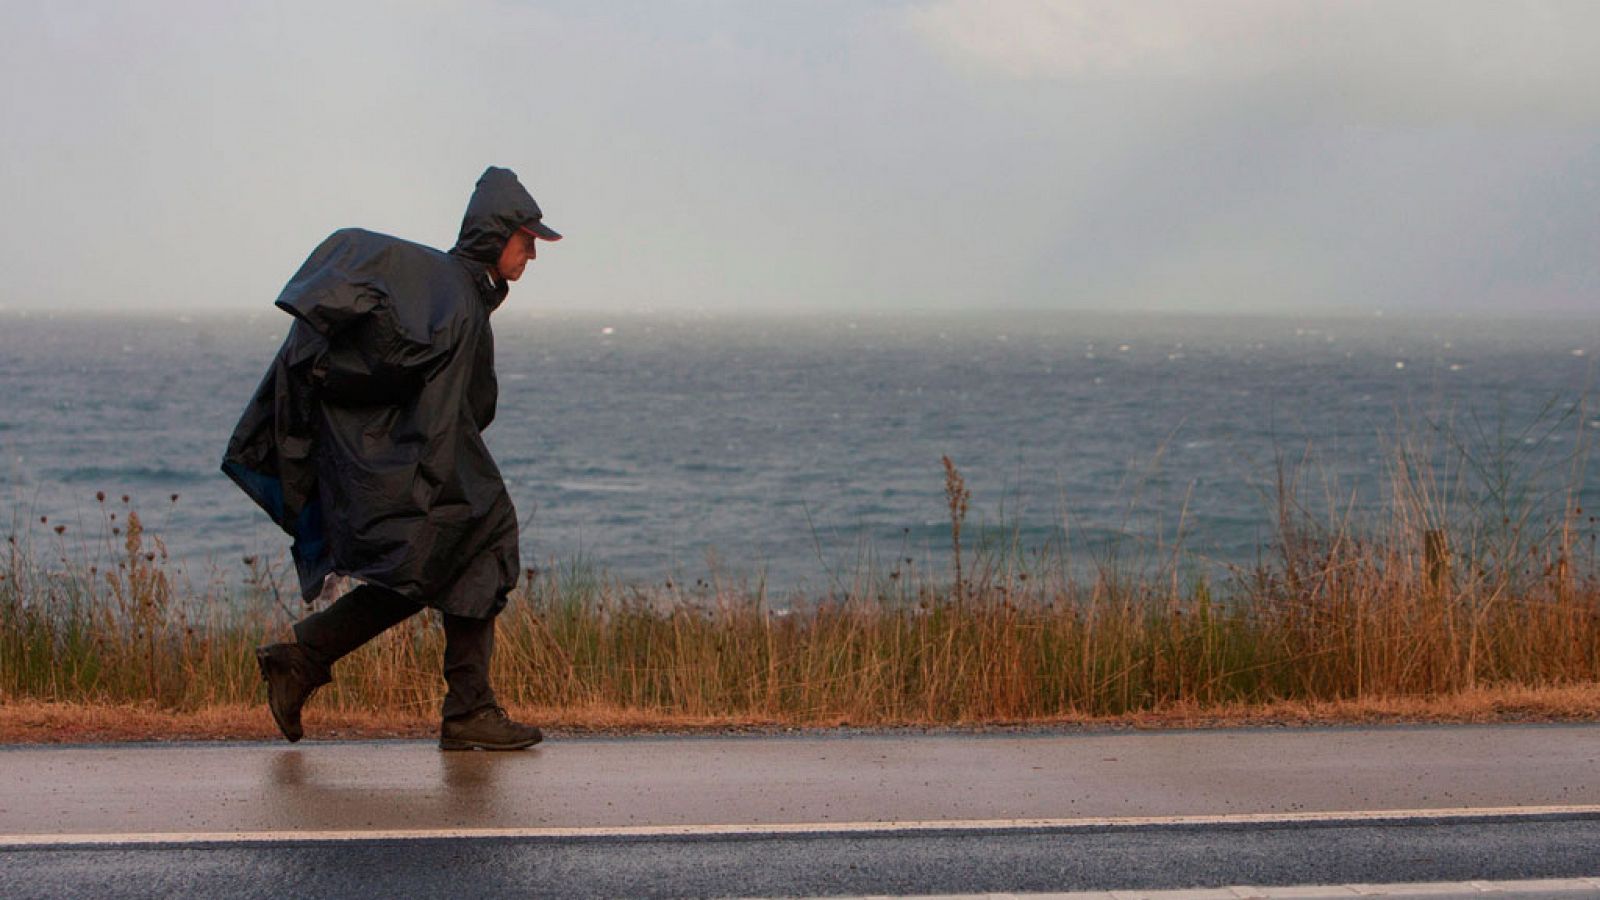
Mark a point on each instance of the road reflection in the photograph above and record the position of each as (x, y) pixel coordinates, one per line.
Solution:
(301, 789)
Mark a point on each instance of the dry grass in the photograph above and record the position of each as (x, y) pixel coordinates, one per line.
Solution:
(32, 722)
(1438, 612)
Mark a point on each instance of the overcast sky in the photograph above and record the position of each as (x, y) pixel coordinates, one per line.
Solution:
(1234, 155)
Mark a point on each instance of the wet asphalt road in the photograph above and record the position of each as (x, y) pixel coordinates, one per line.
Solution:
(234, 819)
(1153, 858)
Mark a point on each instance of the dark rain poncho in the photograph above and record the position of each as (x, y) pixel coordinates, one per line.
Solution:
(364, 441)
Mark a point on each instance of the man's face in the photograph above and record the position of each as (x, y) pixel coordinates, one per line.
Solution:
(515, 255)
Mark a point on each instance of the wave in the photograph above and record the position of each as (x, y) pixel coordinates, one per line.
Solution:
(712, 468)
(111, 476)
(600, 486)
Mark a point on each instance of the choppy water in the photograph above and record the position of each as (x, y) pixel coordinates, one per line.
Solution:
(657, 446)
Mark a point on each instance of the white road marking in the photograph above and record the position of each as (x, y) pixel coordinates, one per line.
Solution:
(12, 841)
(1543, 887)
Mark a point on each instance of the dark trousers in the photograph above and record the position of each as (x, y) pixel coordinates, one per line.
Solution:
(368, 611)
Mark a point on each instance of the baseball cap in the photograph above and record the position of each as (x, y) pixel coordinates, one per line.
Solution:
(542, 231)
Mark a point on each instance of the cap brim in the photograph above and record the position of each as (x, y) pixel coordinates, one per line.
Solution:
(542, 231)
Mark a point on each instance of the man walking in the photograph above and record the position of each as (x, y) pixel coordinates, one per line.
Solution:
(364, 443)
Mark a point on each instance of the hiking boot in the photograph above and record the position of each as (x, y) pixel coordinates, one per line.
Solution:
(291, 677)
(487, 729)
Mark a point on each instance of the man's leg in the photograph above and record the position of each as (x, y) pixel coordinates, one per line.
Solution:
(472, 718)
(294, 671)
(355, 618)
(468, 646)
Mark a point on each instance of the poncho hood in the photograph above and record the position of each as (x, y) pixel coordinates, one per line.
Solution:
(499, 206)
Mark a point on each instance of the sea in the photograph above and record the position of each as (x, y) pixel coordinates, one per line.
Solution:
(802, 454)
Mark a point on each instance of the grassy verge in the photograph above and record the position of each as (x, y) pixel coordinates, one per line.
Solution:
(35, 722)
(1422, 616)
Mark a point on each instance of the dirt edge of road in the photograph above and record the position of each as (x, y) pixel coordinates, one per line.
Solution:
(33, 722)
